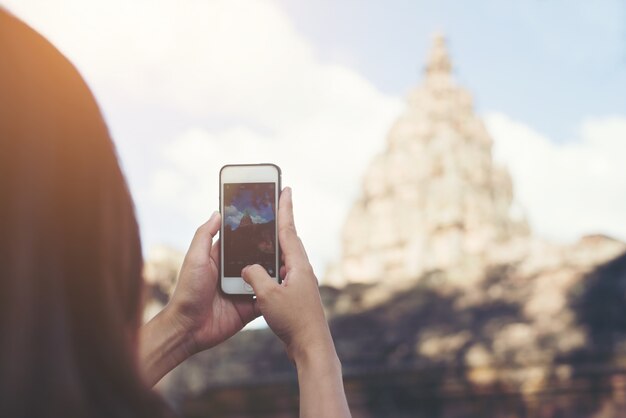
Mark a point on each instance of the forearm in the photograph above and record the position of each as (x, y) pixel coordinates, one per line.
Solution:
(321, 386)
(163, 345)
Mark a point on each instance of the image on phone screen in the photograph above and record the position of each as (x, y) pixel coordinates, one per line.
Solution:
(249, 227)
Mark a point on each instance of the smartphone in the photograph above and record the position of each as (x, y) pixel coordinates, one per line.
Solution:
(248, 235)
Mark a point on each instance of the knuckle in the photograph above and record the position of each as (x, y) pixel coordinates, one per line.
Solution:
(201, 235)
(260, 293)
(200, 229)
(255, 269)
(267, 291)
(273, 291)
(264, 292)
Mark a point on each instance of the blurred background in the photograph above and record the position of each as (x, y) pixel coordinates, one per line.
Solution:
(458, 176)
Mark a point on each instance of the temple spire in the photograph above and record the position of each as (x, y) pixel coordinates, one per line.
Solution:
(438, 59)
(451, 203)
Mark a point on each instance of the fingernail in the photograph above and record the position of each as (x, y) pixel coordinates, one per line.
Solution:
(213, 215)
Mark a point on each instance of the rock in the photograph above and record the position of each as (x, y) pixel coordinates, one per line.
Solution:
(160, 272)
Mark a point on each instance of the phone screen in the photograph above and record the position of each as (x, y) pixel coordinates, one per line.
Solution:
(249, 227)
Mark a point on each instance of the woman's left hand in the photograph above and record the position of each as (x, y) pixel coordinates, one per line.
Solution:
(199, 315)
(197, 303)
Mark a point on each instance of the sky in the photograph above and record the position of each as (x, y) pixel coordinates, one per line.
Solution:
(314, 86)
(258, 207)
(570, 55)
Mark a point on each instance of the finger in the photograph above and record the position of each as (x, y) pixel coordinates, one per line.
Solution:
(257, 277)
(246, 307)
(215, 252)
(290, 244)
(200, 247)
(283, 272)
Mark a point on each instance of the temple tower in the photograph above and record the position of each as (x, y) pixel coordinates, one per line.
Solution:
(433, 199)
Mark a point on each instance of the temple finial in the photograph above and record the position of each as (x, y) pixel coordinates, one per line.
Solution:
(438, 59)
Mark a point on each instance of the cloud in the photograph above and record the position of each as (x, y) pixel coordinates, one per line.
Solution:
(232, 216)
(257, 219)
(230, 210)
(227, 81)
(568, 188)
(325, 179)
(219, 58)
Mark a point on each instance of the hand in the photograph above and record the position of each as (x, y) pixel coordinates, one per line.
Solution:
(197, 304)
(198, 316)
(293, 309)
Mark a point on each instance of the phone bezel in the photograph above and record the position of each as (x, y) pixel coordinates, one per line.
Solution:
(247, 173)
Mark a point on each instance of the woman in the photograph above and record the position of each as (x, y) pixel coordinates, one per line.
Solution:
(70, 268)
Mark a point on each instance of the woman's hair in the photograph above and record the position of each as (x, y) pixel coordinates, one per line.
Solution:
(70, 255)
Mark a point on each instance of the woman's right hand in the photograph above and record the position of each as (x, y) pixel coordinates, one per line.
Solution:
(293, 309)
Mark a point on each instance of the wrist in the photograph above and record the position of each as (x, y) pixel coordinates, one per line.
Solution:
(181, 330)
(319, 356)
(165, 342)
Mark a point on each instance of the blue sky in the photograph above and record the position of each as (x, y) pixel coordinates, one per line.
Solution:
(549, 63)
(243, 203)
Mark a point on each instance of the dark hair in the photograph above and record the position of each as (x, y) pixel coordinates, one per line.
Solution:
(70, 255)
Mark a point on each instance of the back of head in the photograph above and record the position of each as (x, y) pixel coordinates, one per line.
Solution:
(70, 257)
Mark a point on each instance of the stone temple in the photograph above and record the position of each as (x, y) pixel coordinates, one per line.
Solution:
(434, 199)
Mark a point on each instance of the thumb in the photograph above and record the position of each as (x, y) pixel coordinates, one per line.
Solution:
(200, 246)
(257, 277)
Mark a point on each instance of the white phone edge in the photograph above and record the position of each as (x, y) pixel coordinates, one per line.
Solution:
(247, 173)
